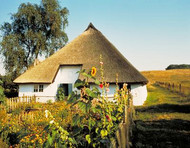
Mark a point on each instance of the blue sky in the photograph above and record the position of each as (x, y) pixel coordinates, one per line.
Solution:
(151, 34)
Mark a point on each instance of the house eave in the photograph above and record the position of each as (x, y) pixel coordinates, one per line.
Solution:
(32, 83)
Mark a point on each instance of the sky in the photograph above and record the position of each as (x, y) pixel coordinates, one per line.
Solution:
(151, 34)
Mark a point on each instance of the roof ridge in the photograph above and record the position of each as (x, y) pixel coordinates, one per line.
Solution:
(91, 26)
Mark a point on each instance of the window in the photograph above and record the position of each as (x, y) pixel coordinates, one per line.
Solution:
(35, 88)
(38, 88)
(41, 88)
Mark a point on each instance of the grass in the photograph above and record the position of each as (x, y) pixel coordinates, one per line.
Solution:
(158, 95)
(164, 119)
(175, 76)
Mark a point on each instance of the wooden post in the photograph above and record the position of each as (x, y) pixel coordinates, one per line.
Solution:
(168, 86)
(180, 88)
(173, 87)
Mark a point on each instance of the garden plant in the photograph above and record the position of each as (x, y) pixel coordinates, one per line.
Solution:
(86, 118)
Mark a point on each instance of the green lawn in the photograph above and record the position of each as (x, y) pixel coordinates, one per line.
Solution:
(163, 121)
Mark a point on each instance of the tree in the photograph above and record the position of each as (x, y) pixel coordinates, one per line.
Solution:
(181, 66)
(35, 30)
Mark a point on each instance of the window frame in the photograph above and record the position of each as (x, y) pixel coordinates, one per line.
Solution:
(38, 88)
(41, 88)
(35, 87)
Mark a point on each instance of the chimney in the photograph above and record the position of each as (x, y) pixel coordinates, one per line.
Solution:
(36, 62)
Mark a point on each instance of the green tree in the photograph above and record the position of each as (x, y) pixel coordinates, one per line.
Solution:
(181, 66)
(2, 96)
(35, 30)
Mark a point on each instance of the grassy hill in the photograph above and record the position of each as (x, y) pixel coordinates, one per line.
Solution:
(175, 76)
(164, 119)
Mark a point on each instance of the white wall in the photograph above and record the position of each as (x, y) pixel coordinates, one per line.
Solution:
(139, 93)
(112, 88)
(28, 90)
(66, 74)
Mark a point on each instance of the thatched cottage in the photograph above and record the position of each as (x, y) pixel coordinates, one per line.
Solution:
(59, 70)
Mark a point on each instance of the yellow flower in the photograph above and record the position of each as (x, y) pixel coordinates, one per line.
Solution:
(93, 71)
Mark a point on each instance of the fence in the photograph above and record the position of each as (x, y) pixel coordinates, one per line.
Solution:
(30, 116)
(13, 103)
(25, 106)
(179, 88)
(124, 132)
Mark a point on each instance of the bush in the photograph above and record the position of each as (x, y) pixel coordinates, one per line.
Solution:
(60, 96)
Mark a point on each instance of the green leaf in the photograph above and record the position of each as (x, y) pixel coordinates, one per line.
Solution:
(95, 89)
(113, 118)
(104, 133)
(91, 124)
(97, 82)
(81, 71)
(91, 93)
(54, 133)
(82, 106)
(86, 75)
(76, 119)
(88, 139)
(97, 129)
(50, 140)
(73, 97)
(79, 84)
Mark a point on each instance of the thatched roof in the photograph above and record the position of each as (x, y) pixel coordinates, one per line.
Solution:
(85, 50)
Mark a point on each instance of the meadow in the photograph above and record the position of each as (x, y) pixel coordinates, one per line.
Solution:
(164, 119)
(174, 76)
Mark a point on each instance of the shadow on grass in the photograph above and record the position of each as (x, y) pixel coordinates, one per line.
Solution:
(161, 134)
(165, 108)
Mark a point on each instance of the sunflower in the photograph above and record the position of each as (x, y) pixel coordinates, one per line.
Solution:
(93, 71)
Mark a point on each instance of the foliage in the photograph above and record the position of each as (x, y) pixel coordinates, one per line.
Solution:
(175, 66)
(86, 119)
(10, 88)
(35, 30)
(28, 131)
(2, 96)
(57, 136)
(60, 96)
(96, 120)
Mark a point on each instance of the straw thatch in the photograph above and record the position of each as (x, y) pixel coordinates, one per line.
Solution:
(85, 50)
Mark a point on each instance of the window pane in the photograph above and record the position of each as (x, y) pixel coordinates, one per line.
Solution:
(35, 88)
(41, 88)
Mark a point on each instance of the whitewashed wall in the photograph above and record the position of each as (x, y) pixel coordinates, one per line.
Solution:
(139, 93)
(66, 74)
(110, 94)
